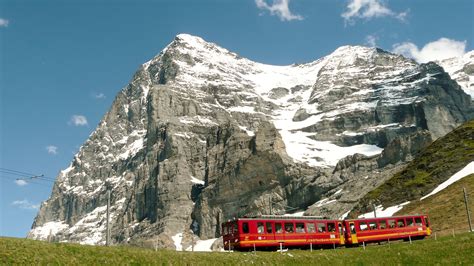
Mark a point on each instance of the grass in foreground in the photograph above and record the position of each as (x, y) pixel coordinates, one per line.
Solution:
(445, 251)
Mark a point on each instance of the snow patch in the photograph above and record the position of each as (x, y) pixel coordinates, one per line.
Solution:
(47, 229)
(197, 181)
(467, 170)
(384, 212)
(177, 241)
(298, 214)
(203, 245)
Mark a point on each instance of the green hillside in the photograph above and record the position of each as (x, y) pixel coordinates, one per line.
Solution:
(446, 208)
(444, 251)
(431, 167)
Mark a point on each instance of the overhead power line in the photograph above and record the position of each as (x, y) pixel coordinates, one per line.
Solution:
(25, 174)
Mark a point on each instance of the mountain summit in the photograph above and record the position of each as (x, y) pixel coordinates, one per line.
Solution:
(201, 135)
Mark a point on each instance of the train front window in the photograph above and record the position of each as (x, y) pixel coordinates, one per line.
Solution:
(245, 228)
(260, 228)
(418, 221)
(269, 228)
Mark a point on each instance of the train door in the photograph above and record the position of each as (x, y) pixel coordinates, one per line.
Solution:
(427, 224)
(353, 233)
(341, 233)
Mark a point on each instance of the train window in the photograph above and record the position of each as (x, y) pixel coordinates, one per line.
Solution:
(353, 230)
(391, 223)
(269, 228)
(372, 225)
(278, 228)
(289, 227)
(427, 223)
(321, 227)
(331, 227)
(418, 221)
(260, 228)
(363, 226)
(236, 230)
(299, 227)
(340, 228)
(382, 224)
(410, 222)
(401, 222)
(310, 227)
(245, 228)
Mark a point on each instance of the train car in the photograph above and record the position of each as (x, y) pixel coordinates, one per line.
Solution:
(369, 230)
(271, 231)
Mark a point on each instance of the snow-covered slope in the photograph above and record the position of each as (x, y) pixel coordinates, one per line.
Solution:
(461, 69)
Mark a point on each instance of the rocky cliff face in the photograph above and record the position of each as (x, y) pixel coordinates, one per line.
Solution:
(201, 135)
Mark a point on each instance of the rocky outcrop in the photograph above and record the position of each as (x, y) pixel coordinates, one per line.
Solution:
(201, 135)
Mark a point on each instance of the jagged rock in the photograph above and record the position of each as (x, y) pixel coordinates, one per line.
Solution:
(201, 135)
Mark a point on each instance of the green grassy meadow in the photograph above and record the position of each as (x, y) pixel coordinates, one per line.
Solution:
(445, 250)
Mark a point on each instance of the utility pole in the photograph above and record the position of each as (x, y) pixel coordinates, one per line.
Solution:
(107, 239)
(467, 209)
(375, 212)
(270, 203)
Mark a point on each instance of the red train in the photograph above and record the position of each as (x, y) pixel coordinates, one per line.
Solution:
(270, 231)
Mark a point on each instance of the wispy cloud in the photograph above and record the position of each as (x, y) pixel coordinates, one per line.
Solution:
(51, 149)
(21, 182)
(437, 50)
(4, 23)
(278, 8)
(99, 95)
(78, 120)
(371, 40)
(368, 9)
(25, 204)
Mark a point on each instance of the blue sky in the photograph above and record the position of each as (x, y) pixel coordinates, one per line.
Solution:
(63, 61)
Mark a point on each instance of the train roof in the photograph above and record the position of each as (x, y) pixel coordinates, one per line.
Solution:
(386, 217)
(283, 217)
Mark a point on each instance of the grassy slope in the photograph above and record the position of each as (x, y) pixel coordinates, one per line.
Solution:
(446, 250)
(446, 208)
(431, 167)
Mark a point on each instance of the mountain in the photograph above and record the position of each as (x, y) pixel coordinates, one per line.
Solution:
(461, 69)
(433, 166)
(201, 135)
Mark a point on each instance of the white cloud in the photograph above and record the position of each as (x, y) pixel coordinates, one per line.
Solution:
(367, 9)
(25, 204)
(99, 95)
(21, 182)
(78, 120)
(52, 149)
(437, 50)
(279, 8)
(371, 40)
(4, 22)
